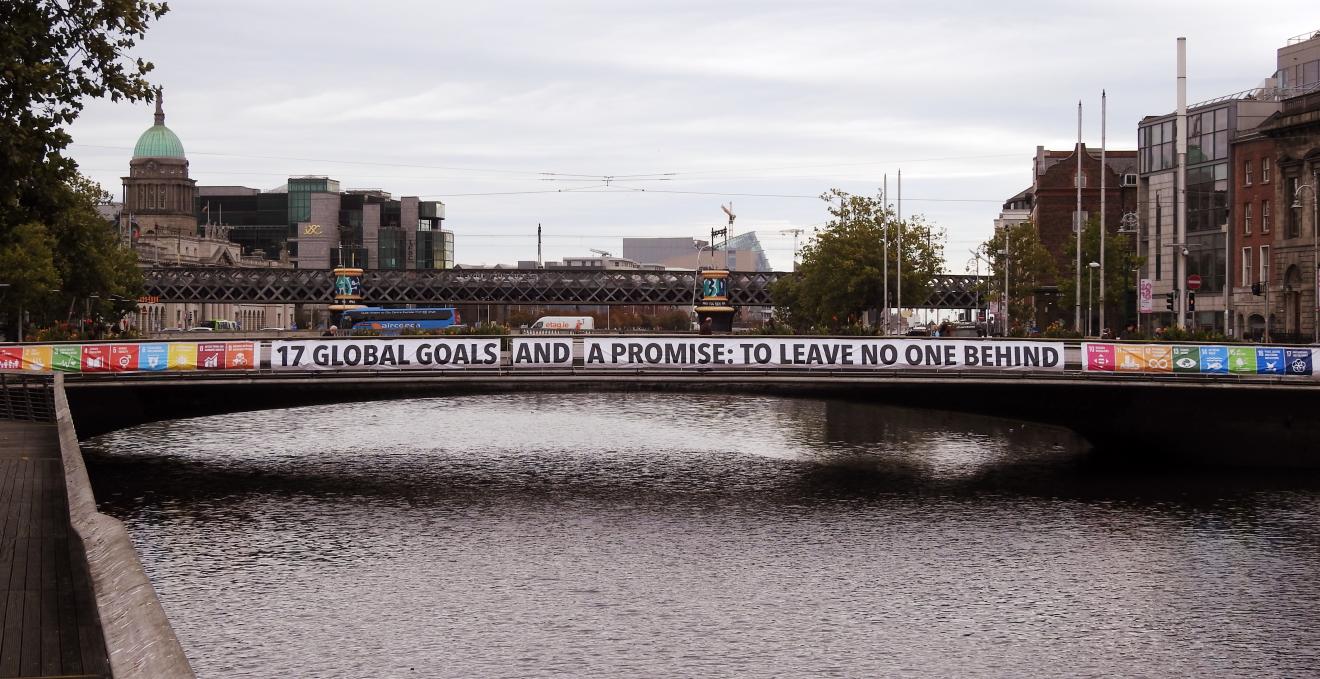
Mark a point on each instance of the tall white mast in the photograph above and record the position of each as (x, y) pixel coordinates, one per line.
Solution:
(1104, 172)
(1180, 206)
(1077, 224)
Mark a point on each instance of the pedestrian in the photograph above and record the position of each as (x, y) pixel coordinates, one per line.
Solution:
(330, 331)
(707, 326)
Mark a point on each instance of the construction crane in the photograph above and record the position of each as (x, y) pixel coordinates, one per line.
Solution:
(602, 253)
(796, 233)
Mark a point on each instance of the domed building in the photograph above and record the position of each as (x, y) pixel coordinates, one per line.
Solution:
(158, 195)
(158, 219)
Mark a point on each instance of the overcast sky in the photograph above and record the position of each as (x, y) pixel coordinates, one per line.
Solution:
(766, 104)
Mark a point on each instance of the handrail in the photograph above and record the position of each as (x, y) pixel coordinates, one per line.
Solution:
(27, 397)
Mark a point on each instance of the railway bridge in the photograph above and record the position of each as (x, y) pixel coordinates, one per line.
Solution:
(494, 286)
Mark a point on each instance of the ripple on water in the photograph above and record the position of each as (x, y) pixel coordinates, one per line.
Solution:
(662, 534)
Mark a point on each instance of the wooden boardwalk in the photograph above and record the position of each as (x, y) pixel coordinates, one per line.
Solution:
(48, 621)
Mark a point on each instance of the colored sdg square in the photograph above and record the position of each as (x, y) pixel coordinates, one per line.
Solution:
(1242, 360)
(123, 357)
(1214, 360)
(1100, 357)
(1159, 359)
(183, 356)
(1269, 361)
(1130, 359)
(67, 358)
(95, 358)
(153, 357)
(1187, 359)
(1298, 361)
(210, 356)
(37, 358)
(11, 358)
(240, 355)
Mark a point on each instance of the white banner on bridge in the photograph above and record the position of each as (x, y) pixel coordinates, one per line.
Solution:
(798, 352)
(542, 352)
(429, 353)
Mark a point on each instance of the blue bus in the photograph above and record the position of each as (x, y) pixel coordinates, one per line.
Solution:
(395, 320)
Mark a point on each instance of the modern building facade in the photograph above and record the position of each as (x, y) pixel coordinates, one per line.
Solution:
(314, 224)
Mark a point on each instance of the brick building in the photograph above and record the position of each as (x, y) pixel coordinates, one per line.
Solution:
(1050, 203)
(1252, 220)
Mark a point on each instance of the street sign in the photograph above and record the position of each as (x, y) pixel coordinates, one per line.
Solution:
(1194, 282)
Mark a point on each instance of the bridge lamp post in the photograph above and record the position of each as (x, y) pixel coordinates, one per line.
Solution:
(1090, 269)
(1315, 252)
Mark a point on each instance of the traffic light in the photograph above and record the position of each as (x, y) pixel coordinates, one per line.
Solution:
(1191, 300)
(1255, 288)
(1168, 301)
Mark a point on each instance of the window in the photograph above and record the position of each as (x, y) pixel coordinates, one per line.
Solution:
(1155, 144)
(1264, 216)
(1264, 170)
(1083, 176)
(1085, 216)
(1265, 264)
(1246, 266)
(1246, 172)
(1246, 218)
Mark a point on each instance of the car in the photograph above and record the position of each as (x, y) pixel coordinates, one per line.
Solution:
(200, 328)
(273, 329)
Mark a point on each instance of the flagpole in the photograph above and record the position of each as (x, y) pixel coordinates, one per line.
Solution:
(884, 198)
(1104, 171)
(1077, 225)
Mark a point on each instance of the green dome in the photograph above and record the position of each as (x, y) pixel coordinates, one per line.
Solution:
(158, 142)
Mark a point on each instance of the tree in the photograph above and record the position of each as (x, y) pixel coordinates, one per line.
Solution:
(1120, 279)
(28, 265)
(842, 268)
(1028, 266)
(53, 55)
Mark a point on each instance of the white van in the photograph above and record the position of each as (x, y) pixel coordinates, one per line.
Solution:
(570, 323)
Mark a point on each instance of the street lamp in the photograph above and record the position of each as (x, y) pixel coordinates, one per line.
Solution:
(1004, 306)
(1090, 269)
(1315, 251)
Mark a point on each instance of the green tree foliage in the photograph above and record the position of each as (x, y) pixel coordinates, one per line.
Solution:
(53, 55)
(1028, 266)
(27, 261)
(1120, 278)
(841, 272)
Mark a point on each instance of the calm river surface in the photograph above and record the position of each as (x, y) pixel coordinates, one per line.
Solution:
(620, 535)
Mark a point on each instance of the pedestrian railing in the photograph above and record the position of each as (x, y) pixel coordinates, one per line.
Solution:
(27, 397)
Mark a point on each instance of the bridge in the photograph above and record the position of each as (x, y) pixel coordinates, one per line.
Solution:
(1242, 418)
(491, 286)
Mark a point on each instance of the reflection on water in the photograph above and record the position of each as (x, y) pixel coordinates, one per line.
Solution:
(663, 534)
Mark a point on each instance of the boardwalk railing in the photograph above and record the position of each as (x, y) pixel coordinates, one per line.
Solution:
(27, 397)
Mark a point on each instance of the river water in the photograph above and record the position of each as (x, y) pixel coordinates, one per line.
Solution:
(621, 535)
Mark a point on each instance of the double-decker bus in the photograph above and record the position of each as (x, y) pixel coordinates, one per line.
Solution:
(396, 320)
